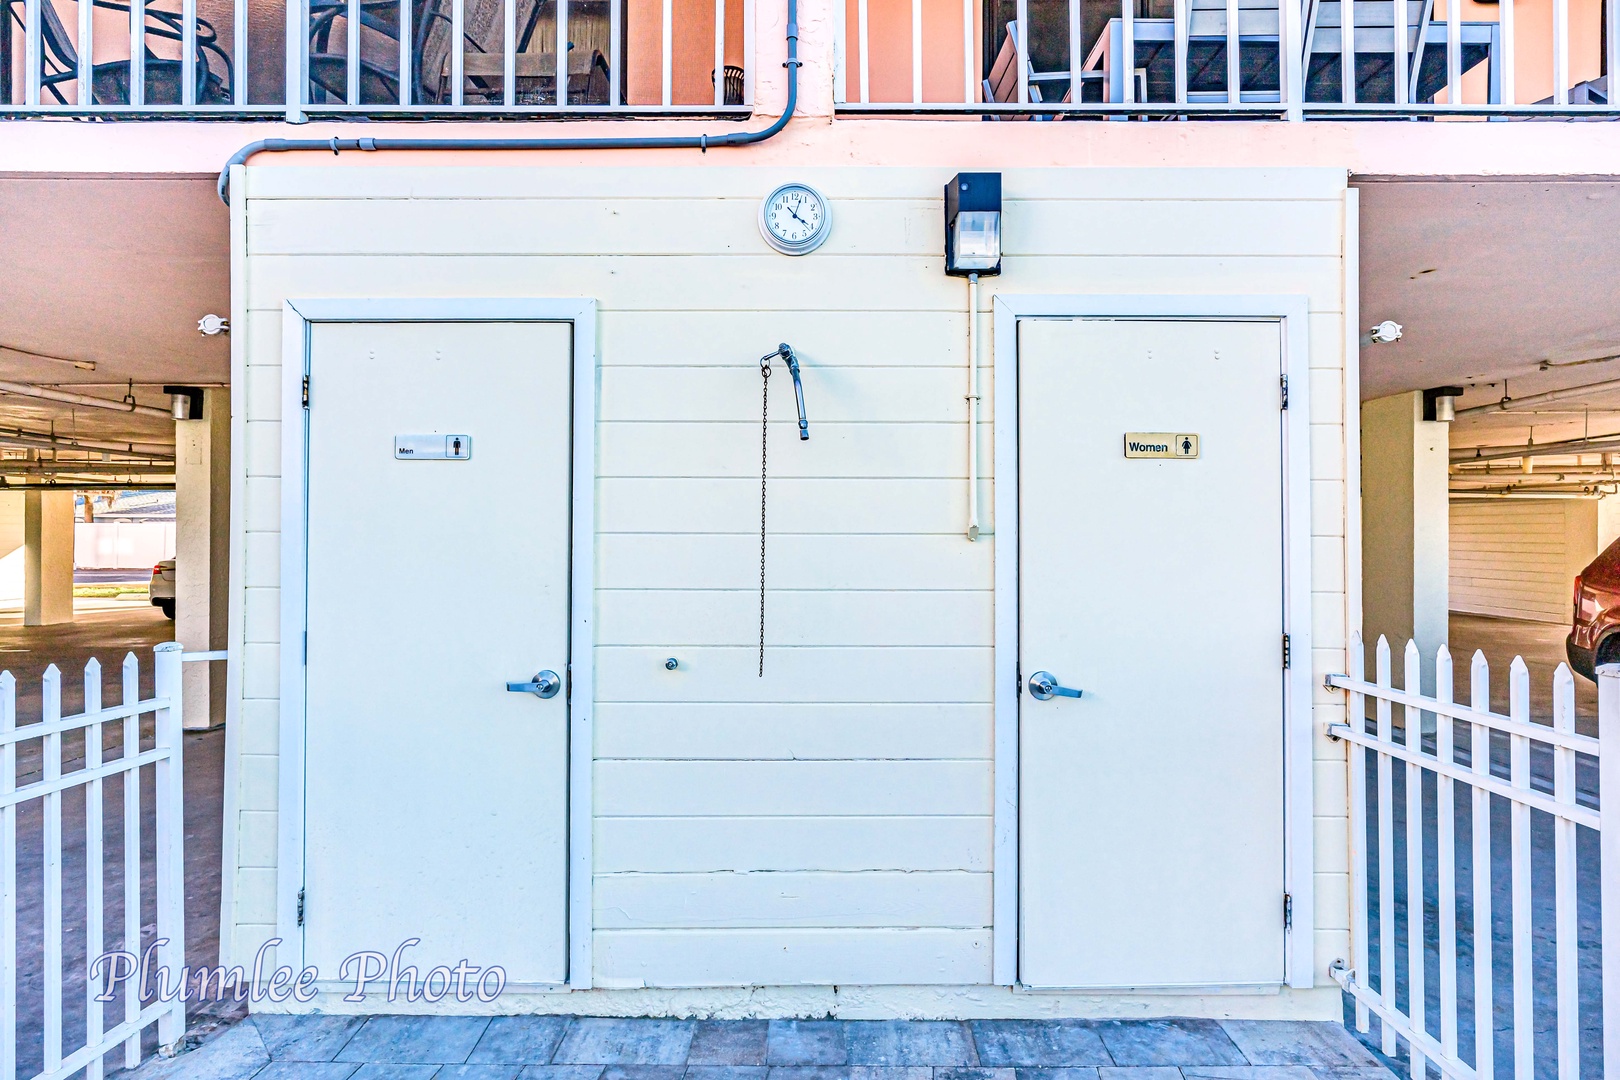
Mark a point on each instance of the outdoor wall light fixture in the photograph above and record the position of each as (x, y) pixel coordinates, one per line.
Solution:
(1440, 403)
(973, 224)
(1386, 333)
(185, 402)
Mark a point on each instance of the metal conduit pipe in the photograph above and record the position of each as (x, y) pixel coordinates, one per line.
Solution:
(116, 451)
(1508, 403)
(91, 485)
(44, 394)
(98, 468)
(1595, 445)
(645, 142)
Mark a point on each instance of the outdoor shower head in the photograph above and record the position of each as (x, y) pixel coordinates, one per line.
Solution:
(785, 351)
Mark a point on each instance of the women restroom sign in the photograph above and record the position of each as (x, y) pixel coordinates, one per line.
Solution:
(433, 447)
(1160, 444)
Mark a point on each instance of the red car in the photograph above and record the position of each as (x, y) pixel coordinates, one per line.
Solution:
(1594, 637)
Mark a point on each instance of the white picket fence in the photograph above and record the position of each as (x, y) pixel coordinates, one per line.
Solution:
(1427, 750)
(41, 801)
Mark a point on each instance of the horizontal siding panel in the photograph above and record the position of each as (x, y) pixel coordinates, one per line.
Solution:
(580, 178)
(740, 845)
(676, 958)
(711, 673)
(734, 901)
(851, 395)
(768, 282)
(920, 449)
(796, 505)
(798, 731)
(686, 617)
(847, 338)
(639, 561)
(809, 788)
(703, 224)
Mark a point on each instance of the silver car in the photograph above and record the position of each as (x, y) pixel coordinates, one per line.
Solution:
(162, 588)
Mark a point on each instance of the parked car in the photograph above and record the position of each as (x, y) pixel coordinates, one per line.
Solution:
(1594, 637)
(162, 588)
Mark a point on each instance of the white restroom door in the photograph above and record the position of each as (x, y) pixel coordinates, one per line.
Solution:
(436, 800)
(1151, 808)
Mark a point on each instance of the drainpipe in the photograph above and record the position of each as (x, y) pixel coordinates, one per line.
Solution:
(650, 142)
(973, 407)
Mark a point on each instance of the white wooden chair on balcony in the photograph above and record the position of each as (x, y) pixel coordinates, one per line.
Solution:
(1002, 85)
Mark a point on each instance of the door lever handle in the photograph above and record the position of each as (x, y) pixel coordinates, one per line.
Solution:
(544, 684)
(1043, 687)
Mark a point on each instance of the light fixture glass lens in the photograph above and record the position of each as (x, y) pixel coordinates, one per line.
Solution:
(977, 241)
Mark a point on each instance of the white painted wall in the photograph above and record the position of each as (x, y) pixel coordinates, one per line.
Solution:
(1517, 558)
(830, 824)
(1404, 524)
(121, 545)
(11, 548)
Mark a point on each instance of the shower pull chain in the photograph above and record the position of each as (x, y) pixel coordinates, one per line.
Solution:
(764, 446)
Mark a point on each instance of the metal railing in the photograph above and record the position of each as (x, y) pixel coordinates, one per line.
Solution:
(1294, 59)
(1425, 904)
(34, 809)
(380, 57)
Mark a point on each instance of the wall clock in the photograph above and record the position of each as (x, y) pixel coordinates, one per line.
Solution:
(795, 219)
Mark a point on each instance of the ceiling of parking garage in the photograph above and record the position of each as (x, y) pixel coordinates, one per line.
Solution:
(1508, 287)
(116, 272)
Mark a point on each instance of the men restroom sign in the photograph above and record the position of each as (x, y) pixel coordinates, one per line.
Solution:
(1160, 444)
(433, 447)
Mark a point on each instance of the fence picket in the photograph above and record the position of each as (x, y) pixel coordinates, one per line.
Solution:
(51, 763)
(1609, 853)
(1356, 715)
(1566, 923)
(1386, 853)
(1480, 826)
(93, 885)
(1412, 720)
(8, 881)
(1524, 1032)
(170, 870)
(1445, 797)
(132, 852)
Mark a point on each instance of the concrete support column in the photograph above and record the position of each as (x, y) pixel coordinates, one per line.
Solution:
(202, 512)
(11, 548)
(1405, 528)
(47, 557)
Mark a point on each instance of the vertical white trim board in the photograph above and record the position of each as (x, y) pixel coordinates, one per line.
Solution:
(234, 611)
(1298, 842)
(297, 317)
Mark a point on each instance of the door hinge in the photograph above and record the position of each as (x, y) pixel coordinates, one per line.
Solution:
(1018, 676)
(300, 907)
(1284, 392)
(1288, 653)
(1288, 911)
(306, 391)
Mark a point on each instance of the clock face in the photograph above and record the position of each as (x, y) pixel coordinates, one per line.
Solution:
(795, 219)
